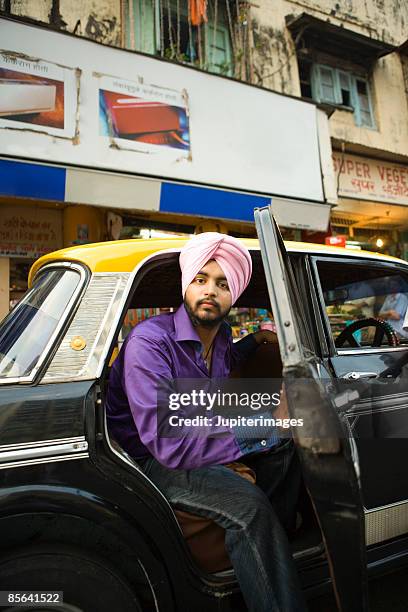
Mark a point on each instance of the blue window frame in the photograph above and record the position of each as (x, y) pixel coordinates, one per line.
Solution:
(339, 87)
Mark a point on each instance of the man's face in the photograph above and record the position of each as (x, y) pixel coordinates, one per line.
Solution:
(208, 298)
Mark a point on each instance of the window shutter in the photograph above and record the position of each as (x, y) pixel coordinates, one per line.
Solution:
(327, 84)
(218, 49)
(324, 84)
(364, 115)
(141, 26)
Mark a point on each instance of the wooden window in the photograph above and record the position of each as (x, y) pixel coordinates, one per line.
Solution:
(339, 87)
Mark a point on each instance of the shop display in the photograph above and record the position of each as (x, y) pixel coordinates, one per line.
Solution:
(245, 321)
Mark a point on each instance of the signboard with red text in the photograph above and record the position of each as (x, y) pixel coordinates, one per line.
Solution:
(371, 179)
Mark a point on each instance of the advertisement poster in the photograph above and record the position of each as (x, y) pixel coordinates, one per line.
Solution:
(37, 95)
(143, 117)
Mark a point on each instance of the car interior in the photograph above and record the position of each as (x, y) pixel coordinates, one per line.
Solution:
(363, 303)
(158, 289)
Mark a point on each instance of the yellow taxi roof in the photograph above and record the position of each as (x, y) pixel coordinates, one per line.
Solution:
(124, 255)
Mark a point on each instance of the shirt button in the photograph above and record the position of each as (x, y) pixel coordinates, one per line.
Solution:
(263, 442)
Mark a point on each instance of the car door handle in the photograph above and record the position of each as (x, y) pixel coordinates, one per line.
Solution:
(359, 375)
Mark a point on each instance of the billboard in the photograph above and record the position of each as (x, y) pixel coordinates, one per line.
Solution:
(117, 110)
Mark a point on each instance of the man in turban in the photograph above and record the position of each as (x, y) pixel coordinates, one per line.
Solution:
(195, 343)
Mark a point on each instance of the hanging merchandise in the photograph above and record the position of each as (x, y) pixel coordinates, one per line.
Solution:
(198, 11)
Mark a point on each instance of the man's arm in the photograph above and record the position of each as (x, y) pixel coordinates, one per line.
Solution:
(244, 348)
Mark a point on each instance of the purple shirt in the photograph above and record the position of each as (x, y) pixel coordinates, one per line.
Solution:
(161, 348)
(157, 350)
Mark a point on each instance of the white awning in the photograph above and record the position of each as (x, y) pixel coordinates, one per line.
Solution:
(301, 215)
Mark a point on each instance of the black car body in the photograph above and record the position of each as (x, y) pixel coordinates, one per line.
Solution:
(76, 512)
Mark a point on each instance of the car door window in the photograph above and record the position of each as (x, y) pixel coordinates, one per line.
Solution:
(25, 333)
(354, 294)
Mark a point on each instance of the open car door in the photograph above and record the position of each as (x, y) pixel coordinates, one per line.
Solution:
(329, 463)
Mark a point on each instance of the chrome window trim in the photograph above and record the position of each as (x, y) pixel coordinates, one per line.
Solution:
(39, 452)
(372, 350)
(43, 443)
(103, 294)
(27, 462)
(83, 276)
(350, 253)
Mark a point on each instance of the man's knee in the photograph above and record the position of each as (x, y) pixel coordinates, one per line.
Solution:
(252, 507)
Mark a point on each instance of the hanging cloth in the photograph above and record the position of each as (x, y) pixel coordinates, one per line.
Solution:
(198, 11)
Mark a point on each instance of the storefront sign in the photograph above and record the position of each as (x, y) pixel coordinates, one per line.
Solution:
(29, 232)
(37, 95)
(371, 179)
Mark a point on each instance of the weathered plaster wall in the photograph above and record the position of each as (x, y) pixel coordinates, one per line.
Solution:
(275, 62)
(385, 19)
(35, 9)
(274, 54)
(96, 19)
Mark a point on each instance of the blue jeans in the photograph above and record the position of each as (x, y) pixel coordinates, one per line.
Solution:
(252, 516)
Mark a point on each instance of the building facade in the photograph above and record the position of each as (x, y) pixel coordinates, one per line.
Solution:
(346, 64)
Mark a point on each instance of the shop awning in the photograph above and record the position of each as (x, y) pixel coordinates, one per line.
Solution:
(301, 215)
(319, 35)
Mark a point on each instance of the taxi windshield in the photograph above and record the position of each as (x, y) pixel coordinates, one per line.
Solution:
(26, 331)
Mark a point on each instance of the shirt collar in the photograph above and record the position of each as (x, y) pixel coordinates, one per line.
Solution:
(184, 329)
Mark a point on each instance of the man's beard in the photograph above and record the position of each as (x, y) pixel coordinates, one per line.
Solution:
(204, 321)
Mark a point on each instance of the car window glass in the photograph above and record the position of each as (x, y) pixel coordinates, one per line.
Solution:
(355, 292)
(26, 331)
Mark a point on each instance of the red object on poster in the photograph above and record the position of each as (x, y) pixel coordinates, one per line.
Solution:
(339, 241)
(198, 11)
(132, 115)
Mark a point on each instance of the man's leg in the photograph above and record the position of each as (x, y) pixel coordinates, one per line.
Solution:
(278, 474)
(255, 541)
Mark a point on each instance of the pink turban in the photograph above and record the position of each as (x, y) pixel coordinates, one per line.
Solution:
(230, 254)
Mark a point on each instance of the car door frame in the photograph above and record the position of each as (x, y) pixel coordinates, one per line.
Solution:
(376, 533)
(328, 460)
